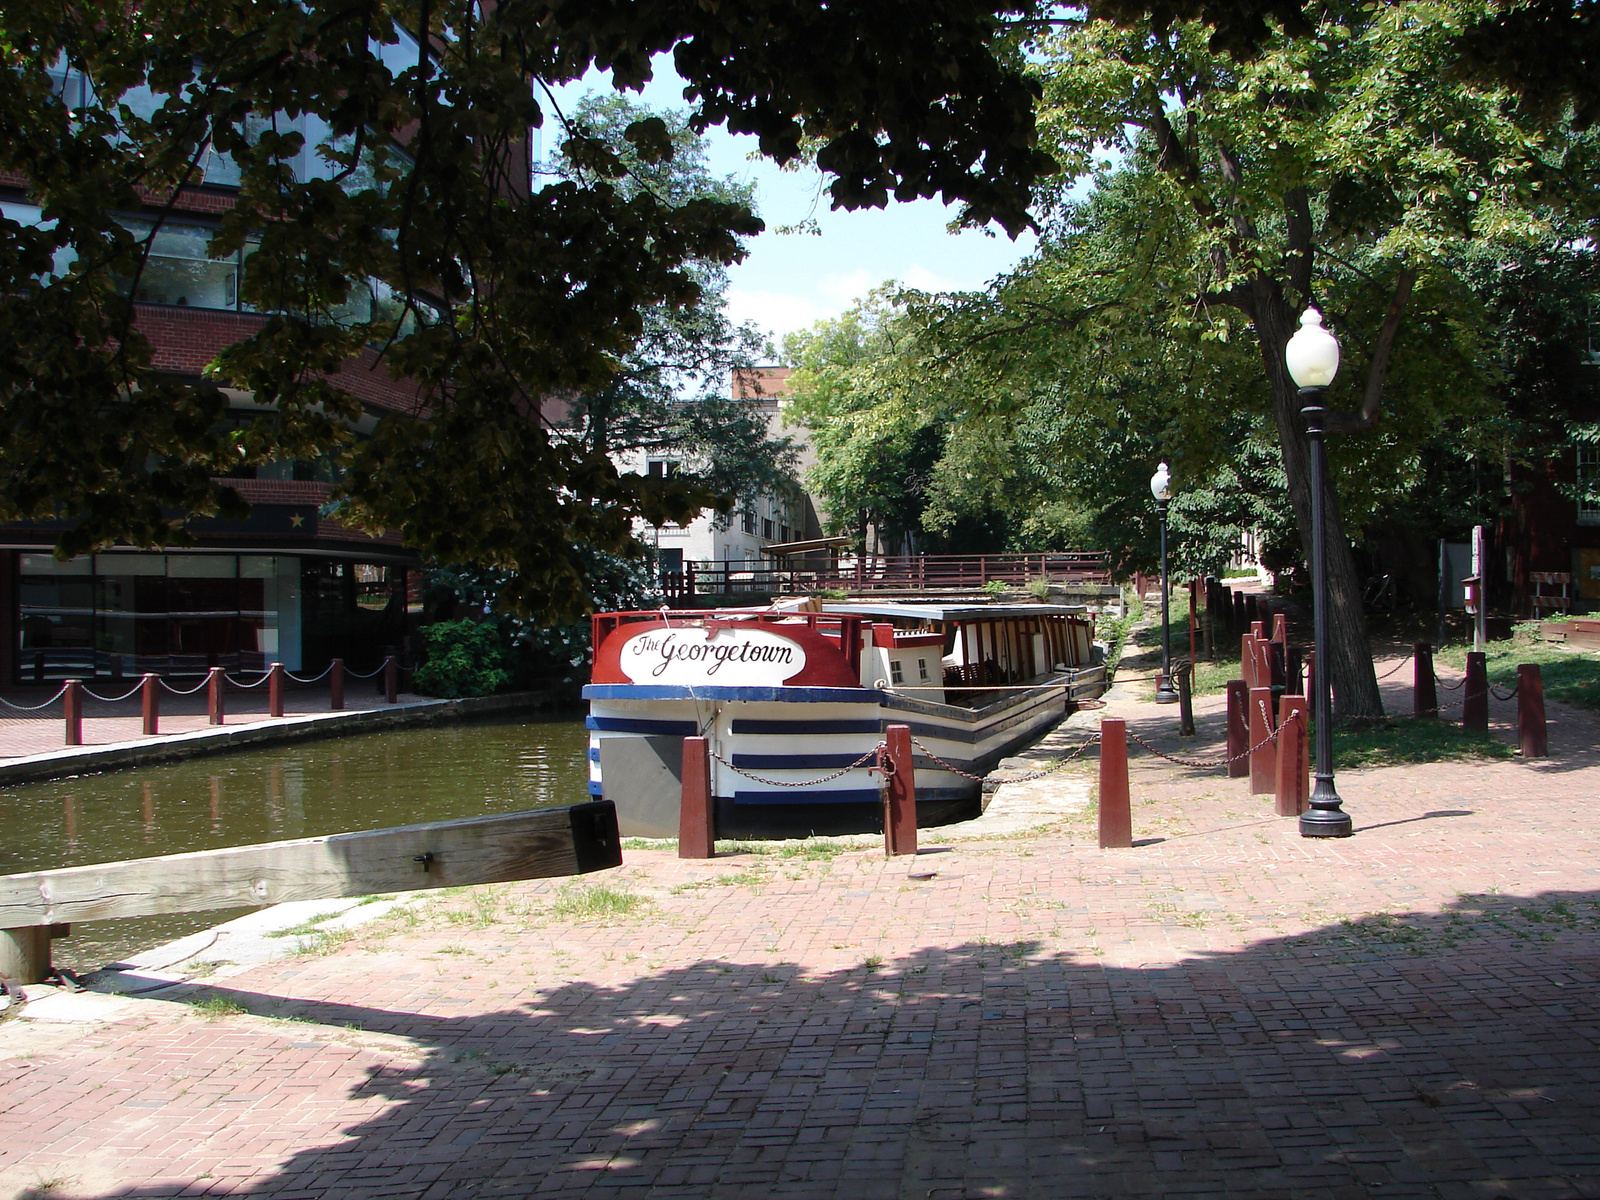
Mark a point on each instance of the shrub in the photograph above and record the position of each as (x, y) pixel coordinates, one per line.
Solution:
(464, 659)
(995, 587)
(1039, 588)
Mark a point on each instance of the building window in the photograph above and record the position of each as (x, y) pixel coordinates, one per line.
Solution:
(783, 533)
(661, 468)
(1588, 484)
(766, 528)
(747, 520)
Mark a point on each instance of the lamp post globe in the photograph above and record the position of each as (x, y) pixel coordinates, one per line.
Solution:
(1161, 489)
(1312, 357)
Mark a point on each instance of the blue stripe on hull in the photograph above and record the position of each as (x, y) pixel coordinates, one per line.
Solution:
(843, 796)
(641, 725)
(751, 725)
(594, 787)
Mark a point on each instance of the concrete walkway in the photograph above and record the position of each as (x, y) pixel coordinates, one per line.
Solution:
(1224, 1010)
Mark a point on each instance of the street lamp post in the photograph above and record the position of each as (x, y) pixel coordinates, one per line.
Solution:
(1161, 489)
(1312, 357)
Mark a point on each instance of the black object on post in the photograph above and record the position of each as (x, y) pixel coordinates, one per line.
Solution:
(1313, 359)
(1161, 489)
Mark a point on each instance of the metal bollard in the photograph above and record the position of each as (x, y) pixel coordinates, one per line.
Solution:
(1424, 690)
(215, 684)
(1475, 694)
(1263, 754)
(336, 685)
(1186, 701)
(72, 709)
(697, 836)
(150, 697)
(391, 679)
(1292, 790)
(1116, 814)
(275, 690)
(1531, 728)
(1238, 728)
(899, 793)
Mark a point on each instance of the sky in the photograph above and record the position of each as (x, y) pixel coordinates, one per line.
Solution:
(791, 280)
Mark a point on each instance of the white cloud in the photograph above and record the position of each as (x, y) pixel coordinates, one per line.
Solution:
(776, 313)
(919, 277)
(845, 288)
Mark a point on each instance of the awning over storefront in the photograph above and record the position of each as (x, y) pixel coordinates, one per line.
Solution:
(784, 549)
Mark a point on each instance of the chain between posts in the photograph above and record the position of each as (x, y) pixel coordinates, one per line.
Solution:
(247, 686)
(313, 679)
(876, 752)
(1028, 778)
(368, 674)
(133, 691)
(1206, 764)
(178, 691)
(34, 707)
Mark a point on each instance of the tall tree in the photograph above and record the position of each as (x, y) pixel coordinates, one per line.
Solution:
(409, 120)
(1244, 190)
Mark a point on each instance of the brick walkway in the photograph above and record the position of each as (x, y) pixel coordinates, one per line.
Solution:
(23, 734)
(1224, 1010)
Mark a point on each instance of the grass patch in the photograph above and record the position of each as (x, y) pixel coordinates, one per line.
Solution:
(216, 1007)
(1570, 676)
(1412, 741)
(597, 903)
(309, 925)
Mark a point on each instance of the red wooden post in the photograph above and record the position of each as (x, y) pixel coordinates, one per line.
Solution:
(899, 793)
(1475, 697)
(1280, 629)
(697, 837)
(391, 679)
(1263, 674)
(150, 696)
(1116, 814)
(336, 684)
(1238, 727)
(1531, 729)
(1258, 629)
(1263, 757)
(1424, 692)
(275, 690)
(1293, 781)
(1247, 658)
(72, 709)
(214, 685)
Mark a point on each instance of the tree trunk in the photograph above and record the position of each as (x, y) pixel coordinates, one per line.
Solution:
(1350, 667)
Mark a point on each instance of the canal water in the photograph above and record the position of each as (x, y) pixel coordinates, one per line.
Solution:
(363, 781)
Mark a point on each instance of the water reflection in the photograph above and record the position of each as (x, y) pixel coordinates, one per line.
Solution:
(364, 781)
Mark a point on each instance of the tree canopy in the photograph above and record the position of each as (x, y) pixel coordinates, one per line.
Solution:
(364, 161)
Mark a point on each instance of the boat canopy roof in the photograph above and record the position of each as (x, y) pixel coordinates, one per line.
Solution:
(952, 612)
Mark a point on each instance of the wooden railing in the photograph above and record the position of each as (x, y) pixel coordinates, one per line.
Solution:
(869, 573)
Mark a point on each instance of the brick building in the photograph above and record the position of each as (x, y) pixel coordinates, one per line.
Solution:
(289, 583)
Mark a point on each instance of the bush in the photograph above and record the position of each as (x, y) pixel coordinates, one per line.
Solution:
(1039, 588)
(464, 659)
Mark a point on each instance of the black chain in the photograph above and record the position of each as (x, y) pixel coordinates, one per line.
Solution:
(875, 752)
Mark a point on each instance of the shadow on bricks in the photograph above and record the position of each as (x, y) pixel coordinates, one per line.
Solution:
(1449, 1054)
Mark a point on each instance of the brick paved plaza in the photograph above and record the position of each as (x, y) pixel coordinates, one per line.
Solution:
(1224, 1010)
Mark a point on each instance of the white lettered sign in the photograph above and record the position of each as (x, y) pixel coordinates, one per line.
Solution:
(721, 657)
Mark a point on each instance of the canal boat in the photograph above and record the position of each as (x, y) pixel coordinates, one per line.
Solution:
(793, 701)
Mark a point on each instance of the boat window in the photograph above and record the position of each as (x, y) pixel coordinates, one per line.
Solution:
(896, 675)
(922, 667)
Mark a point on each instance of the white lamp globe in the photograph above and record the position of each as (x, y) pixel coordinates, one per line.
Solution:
(1161, 483)
(1312, 354)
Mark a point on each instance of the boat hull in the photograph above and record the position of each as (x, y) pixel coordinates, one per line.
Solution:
(787, 761)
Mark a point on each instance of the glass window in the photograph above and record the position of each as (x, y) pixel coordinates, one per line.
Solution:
(1588, 485)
